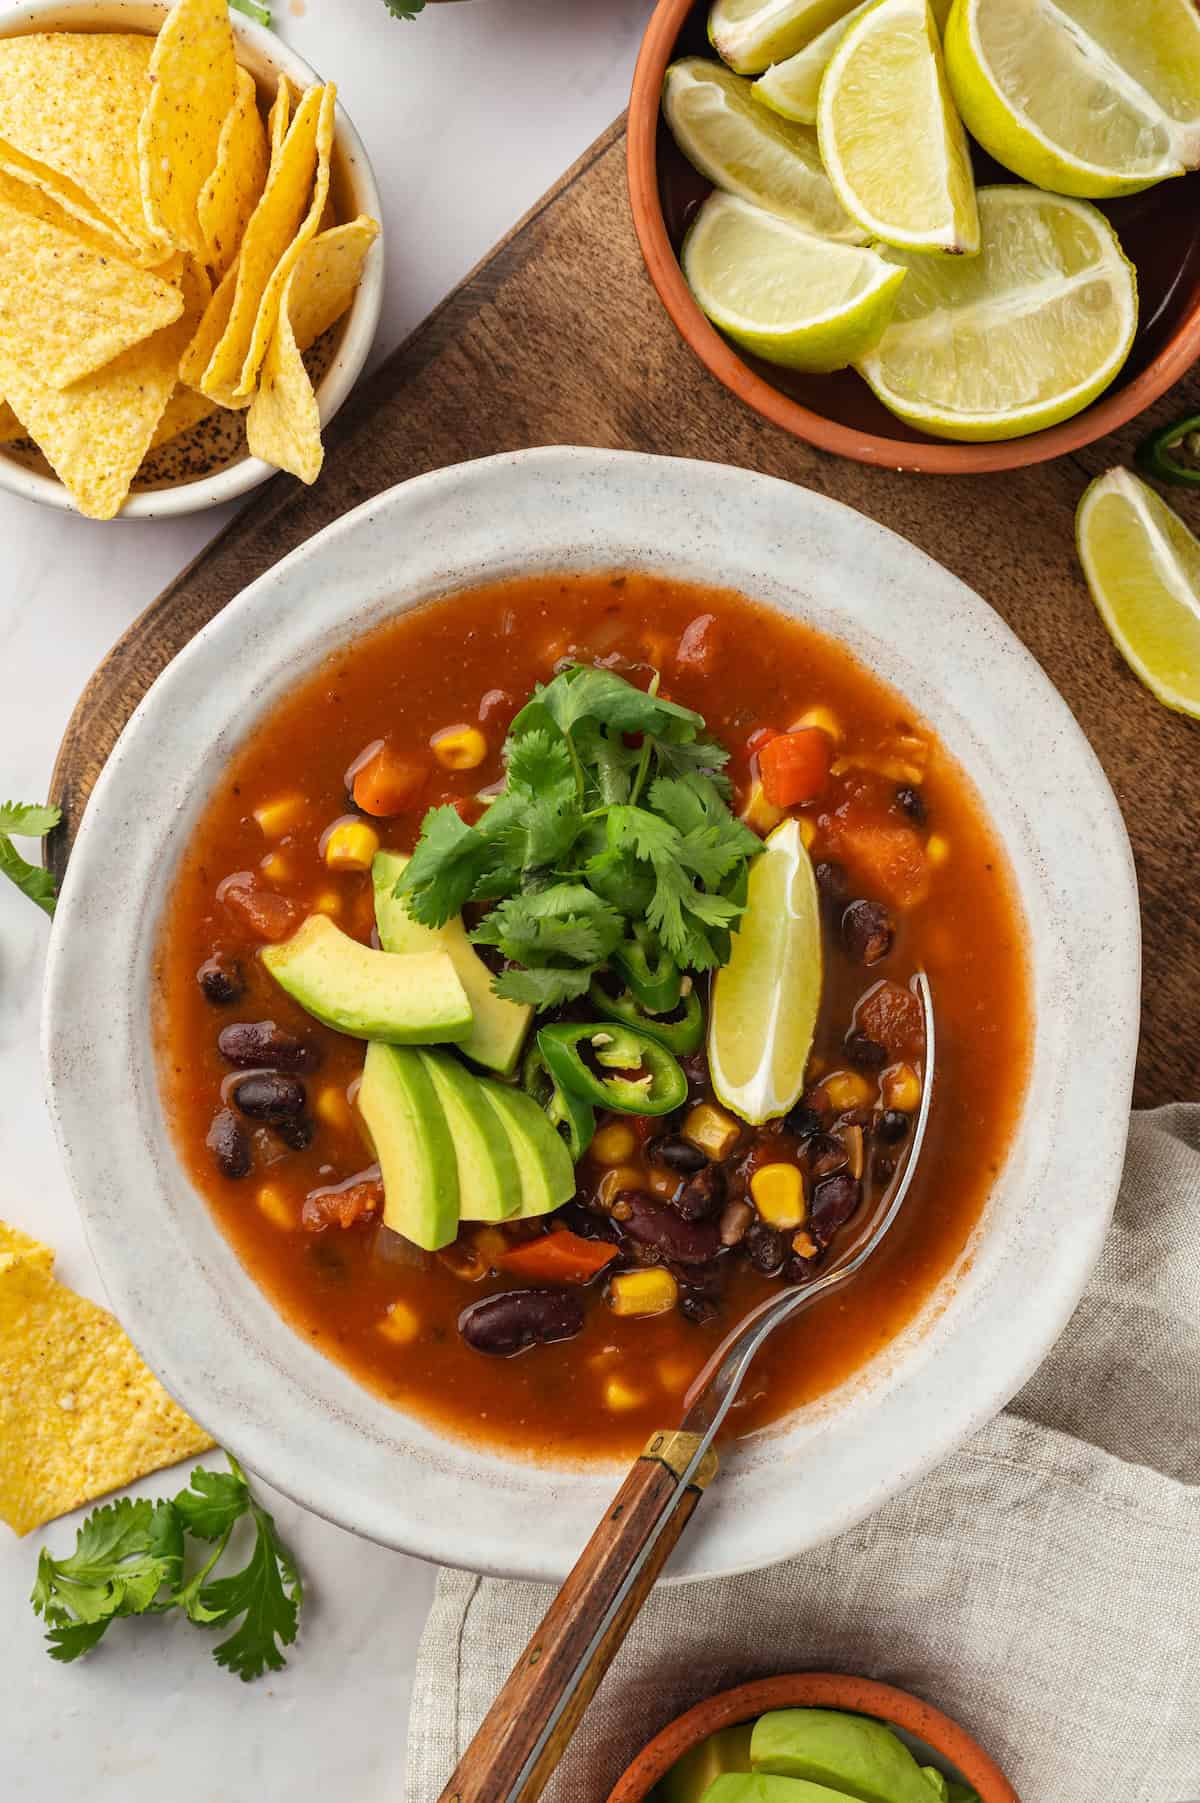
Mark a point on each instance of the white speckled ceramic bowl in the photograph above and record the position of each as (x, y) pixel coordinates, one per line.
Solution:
(203, 1324)
(267, 57)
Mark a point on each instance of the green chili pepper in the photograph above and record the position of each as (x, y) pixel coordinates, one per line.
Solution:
(567, 1113)
(1173, 452)
(680, 1033)
(652, 975)
(658, 1087)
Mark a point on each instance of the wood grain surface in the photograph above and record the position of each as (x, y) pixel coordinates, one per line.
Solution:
(558, 338)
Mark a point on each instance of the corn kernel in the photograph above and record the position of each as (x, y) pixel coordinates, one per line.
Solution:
(332, 1107)
(649, 1292)
(275, 867)
(350, 845)
(328, 902)
(279, 817)
(856, 1158)
(900, 1087)
(760, 815)
(711, 1129)
(808, 832)
(275, 1205)
(662, 1183)
(823, 717)
(619, 1177)
(846, 1089)
(778, 1191)
(937, 848)
(400, 1323)
(615, 1144)
(620, 1396)
(803, 1244)
(459, 747)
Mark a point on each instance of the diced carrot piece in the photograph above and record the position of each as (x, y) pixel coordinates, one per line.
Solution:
(386, 785)
(795, 767)
(558, 1257)
(266, 915)
(889, 859)
(760, 738)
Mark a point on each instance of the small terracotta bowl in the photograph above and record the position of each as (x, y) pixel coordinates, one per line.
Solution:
(949, 1746)
(1159, 231)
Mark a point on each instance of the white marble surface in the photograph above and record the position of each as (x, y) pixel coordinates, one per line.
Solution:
(468, 113)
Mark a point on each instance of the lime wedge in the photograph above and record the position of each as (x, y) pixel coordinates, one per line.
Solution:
(1090, 97)
(1143, 568)
(746, 150)
(781, 292)
(765, 1000)
(750, 34)
(893, 145)
(792, 86)
(1018, 338)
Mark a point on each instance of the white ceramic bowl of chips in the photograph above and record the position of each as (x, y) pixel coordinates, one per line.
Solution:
(266, 57)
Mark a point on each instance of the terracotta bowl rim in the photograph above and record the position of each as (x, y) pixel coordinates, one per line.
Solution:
(832, 1690)
(1115, 408)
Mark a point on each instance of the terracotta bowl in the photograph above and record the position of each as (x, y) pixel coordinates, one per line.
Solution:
(942, 1742)
(1159, 231)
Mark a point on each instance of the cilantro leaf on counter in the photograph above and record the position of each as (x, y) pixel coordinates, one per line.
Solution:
(28, 820)
(124, 1554)
(252, 10)
(405, 9)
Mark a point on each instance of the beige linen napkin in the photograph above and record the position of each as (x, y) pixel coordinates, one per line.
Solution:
(1042, 1586)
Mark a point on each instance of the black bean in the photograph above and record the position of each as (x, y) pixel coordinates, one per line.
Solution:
(251, 1043)
(735, 1219)
(865, 1053)
(797, 1269)
(695, 1069)
(832, 880)
(657, 1226)
(296, 1133)
(802, 1121)
(911, 802)
(229, 1144)
(883, 1168)
(867, 931)
(826, 1154)
(677, 1154)
(588, 1223)
(892, 1126)
(221, 980)
(833, 1202)
(697, 1308)
(702, 1195)
(765, 1248)
(517, 1319)
(269, 1096)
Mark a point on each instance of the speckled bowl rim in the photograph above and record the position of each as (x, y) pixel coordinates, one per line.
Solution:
(1115, 407)
(263, 53)
(204, 1325)
(814, 1690)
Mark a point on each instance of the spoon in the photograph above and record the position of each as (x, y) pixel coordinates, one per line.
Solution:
(526, 1731)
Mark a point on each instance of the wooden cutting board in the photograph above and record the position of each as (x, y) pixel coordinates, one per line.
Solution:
(558, 338)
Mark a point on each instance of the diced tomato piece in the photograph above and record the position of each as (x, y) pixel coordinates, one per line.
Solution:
(699, 647)
(266, 915)
(760, 738)
(342, 1205)
(891, 1016)
(888, 858)
(558, 1257)
(387, 785)
(795, 767)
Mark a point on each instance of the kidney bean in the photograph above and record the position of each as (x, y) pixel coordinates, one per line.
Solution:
(911, 802)
(833, 1202)
(656, 1225)
(765, 1248)
(867, 931)
(269, 1096)
(735, 1219)
(260, 1043)
(702, 1195)
(832, 880)
(865, 1053)
(221, 980)
(677, 1153)
(227, 1141)
(892, 1126)
(517, 1319)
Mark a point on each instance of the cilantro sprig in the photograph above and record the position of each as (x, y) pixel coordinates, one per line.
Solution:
(28, 820)
(614, 811)
(130, 1558)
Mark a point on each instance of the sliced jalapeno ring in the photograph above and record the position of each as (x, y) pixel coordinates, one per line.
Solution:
(569, 1115)
(1173, 452)
(679, 1032)
(570, 1051)
(649, 971)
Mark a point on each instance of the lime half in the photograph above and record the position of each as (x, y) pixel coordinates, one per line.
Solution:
(1143, 568)
(765, 1000)
(784, 294)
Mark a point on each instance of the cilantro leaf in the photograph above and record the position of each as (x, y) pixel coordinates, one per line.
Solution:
(405, 9)
(266, 1594)
(450, 858)
(566, 921)
(213, 1501)
(544, 988)
(579, 691)
(124, 1554)
(29, 820)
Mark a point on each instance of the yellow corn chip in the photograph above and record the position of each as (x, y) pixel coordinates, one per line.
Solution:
(10, 425)
(95, 433)
(272, 229)
(185, 409)
(70, 102)
(66, 308)
(37, 178)
(279, 118)
(232, 191)
(15, 1244)
(193, 74)
(80, 1414)
(283, 425)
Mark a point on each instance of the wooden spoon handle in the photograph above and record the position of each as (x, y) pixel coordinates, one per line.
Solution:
(513, 1755)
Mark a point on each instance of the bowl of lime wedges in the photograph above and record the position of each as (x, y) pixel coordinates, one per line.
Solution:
(921, 234)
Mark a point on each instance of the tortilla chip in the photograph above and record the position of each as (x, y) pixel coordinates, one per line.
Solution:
(95, 433)
(15, 1244)
(209, 332)
(80, 1414)
(70, 104)
(283, 425)
(185, 409)
(279, 224)
(67, 308)
(38, 179)
(232, 191)
(10, 425)
(193, 75)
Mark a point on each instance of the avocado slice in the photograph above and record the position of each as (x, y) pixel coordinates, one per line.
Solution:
(499, 1028)
(937, 1780)
(489, 1183)
(850, 1753)
(547, 1176)
(761, 1787)
(411, 1136)
(369, 994)
(961, 1793)
(689, 1779)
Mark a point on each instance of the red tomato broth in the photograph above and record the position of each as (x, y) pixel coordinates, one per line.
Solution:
(475, 657)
